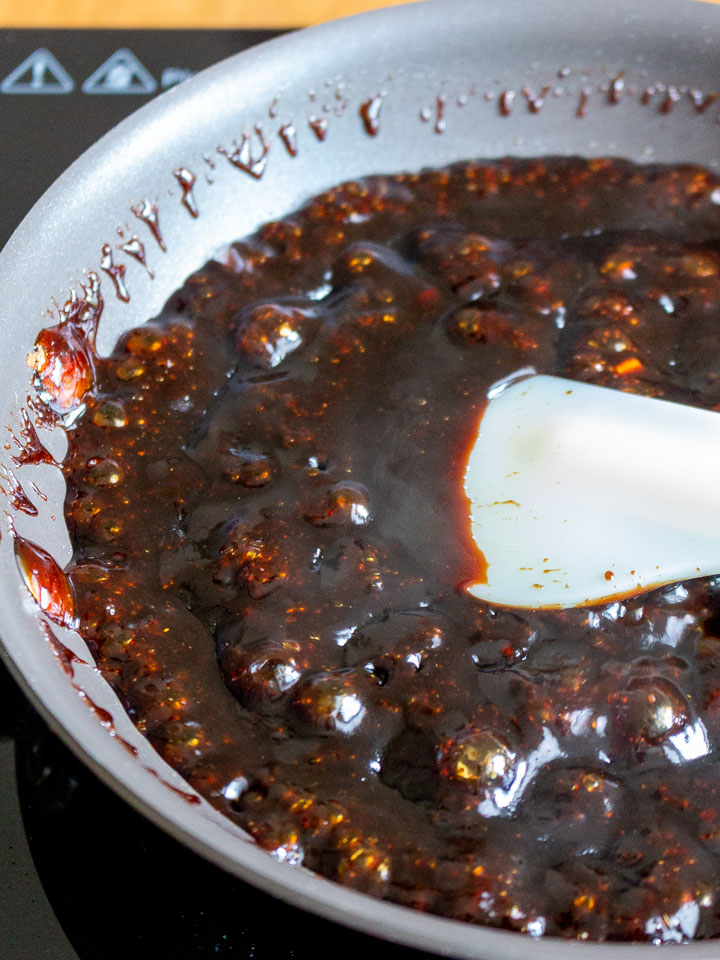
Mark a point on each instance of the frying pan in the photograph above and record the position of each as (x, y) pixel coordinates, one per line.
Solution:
(433, 81)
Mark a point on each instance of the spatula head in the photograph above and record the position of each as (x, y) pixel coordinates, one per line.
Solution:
(580, 494)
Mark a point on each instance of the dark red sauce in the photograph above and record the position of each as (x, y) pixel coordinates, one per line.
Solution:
(46, 582)
(270, 540)
(62, 653)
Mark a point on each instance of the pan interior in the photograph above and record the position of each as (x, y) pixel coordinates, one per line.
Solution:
(409, 87)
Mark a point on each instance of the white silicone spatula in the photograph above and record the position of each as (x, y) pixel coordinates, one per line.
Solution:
(580, 493)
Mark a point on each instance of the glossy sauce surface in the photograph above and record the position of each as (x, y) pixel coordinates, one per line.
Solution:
(270, 542)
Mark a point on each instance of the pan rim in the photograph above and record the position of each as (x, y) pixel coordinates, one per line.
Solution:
(325, 897)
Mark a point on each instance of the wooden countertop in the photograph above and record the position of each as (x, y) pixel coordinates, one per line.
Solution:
(179, 13)
(183, 13)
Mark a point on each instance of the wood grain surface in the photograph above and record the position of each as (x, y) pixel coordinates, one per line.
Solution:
(179, 13)
(183, 13)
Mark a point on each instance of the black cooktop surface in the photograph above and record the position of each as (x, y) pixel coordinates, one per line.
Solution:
(82, 875)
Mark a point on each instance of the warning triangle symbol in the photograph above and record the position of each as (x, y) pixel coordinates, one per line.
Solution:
(121, 73)
(38, 73)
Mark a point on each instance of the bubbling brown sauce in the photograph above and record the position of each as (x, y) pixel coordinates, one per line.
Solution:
(270, 540)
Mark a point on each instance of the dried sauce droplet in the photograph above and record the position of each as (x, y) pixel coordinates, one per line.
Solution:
(440, 113)
(63, 654)
(288, 135)
(536, 101)
(187, 179)
(370, 113)
(341, 102)
(617, 87)
(31, 448)
(701, 101)
(38, 492)
(103, 715)
(136, 249)
(116, 272)
(507, 98)
(671, 98)
(12, 488)
(85, 311)
(126, 745)
(45, 581)
(582, 103)
(319, 127)
(242, 156)
(147, 211)
(187, 797)
(45, 416)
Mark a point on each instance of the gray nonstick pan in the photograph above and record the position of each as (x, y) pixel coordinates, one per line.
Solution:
(419, 85)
